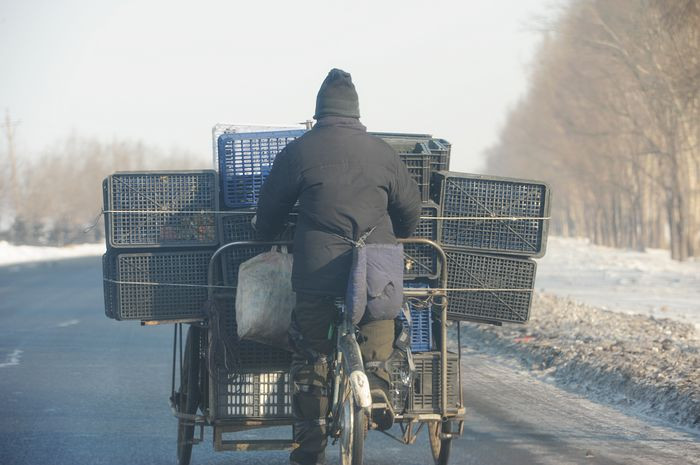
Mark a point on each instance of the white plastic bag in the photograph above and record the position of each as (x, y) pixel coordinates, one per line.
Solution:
(265, 299)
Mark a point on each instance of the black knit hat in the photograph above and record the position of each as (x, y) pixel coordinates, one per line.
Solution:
(337, 96)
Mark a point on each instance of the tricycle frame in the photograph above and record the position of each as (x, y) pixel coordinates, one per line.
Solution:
(410, 423)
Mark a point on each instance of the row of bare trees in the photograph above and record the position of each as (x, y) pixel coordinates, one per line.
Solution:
(57, 195)
(612, 122)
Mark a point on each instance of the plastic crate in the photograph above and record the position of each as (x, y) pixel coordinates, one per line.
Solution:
(421, 322)
(227, 351)
(508, 284)
(245, 159)
(398, 136)
(418, 164)
(425, 396)
(224, 128)
(414, 153)
(421, 260)
(236, 226)
(254, 394)
(251, 354)
(148, 209)
(147, 292)
(439, 148)
(107, 287)
(472, 196)
(422, 395)
(232, 258)
(440, 154)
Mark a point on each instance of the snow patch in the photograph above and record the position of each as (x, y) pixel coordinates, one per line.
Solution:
(12, 359)
(639, 363)
(622, 280)
(65, 324)
(11, 254)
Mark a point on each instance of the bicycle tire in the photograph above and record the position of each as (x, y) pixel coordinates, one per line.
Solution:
(440, 447)
(189, 395)
(352, 443)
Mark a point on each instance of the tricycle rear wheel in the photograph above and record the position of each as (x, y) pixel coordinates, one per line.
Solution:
(188, 399)
(439, 447)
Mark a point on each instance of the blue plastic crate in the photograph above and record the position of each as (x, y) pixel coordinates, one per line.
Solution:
(421, 324)
(245, 160)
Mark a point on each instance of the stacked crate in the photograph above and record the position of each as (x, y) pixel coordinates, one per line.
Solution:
(419, 392)
(163, 227)
(255, 382)
(161, 231)
(423, 155)
(499, 226)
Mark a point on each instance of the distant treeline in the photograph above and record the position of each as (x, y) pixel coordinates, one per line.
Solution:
(58, 194)
(612, 122)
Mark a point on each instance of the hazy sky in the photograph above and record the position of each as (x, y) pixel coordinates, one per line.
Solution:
(166, 71)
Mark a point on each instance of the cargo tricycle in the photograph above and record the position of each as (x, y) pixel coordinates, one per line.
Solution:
(236, 386)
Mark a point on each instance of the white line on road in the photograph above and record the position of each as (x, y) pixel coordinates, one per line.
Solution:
(12, 359)
(68, 323)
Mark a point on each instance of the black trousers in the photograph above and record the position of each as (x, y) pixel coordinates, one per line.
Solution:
(314, 344)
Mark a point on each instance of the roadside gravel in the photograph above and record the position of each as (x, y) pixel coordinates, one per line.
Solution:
(647, 364)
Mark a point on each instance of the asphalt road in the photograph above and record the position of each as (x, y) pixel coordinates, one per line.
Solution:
(78, 388)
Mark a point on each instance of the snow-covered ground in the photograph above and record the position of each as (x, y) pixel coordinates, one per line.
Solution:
(619, 326)
(636, 362)
(621, 280)
(14, 254)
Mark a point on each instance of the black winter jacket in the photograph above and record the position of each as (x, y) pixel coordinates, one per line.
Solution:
(347, 182)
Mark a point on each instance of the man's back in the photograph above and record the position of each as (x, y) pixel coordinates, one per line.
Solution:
(347, 182)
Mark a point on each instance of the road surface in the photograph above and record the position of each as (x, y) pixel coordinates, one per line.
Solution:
(77, 388)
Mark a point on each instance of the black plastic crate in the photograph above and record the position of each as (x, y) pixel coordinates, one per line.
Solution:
(232, 258)
(418, 164)
(422, 395)
(414, 153)
(400, 136)
(508, 283)
(149, 209)
(156, 286)
(107, 287)
(244, 354)
(426, 394)
(234, 354)
(245, 160)
(439, 148)
(466, 196)
(440, 154)
(253, 394)
(236, 226)
(420, 259)
(251, 354)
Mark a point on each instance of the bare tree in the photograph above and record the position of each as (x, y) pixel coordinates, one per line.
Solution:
(612, 121)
